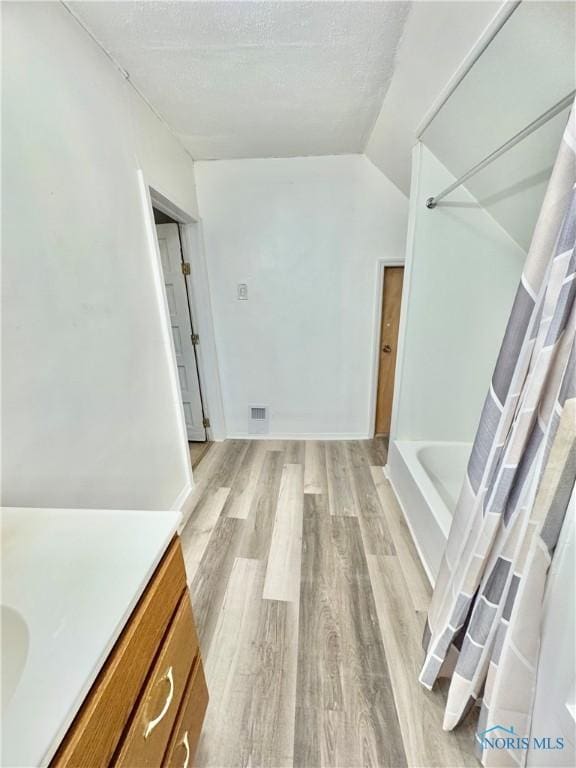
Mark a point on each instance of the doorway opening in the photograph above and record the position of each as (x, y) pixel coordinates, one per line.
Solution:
(176, 272)
(393, 279)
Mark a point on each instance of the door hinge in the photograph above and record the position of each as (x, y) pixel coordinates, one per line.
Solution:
(195, 338)
(185, 267)
(205, 422)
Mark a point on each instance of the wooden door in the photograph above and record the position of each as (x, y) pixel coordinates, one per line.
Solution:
(391, 298)
(171, 255)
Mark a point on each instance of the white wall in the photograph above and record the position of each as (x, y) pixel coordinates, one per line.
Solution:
(436, 39)
(91, 416)
(462, 273)
(306, 235)
(526, 69)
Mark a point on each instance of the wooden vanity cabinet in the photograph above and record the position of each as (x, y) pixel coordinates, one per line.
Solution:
(147, 705)
(189, 723)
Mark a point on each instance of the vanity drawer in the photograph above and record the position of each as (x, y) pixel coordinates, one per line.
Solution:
(145, 742)
(186, 732)
(94, 736)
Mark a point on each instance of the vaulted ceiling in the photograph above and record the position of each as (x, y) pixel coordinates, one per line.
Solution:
(256, 79)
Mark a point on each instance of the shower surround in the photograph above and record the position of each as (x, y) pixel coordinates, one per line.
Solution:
(461, 274)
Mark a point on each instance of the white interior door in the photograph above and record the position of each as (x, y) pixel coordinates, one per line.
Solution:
(169, 242)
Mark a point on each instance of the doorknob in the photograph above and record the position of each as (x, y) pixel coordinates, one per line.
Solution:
(387, 348)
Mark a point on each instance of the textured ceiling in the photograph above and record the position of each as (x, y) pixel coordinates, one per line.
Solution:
(256, 79)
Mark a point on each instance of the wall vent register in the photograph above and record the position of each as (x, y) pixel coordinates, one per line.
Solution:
(258, 419)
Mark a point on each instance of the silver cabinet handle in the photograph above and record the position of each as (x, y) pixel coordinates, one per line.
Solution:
(153, 723)
(186, 746)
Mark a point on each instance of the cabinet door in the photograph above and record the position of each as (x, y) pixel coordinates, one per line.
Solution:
(189, 723)
(147, 738)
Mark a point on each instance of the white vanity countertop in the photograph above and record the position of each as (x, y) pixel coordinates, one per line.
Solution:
(73, 577)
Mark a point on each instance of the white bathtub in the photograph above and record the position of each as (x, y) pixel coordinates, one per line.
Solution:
(427, 477)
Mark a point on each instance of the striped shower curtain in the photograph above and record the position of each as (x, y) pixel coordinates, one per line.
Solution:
(483, 628)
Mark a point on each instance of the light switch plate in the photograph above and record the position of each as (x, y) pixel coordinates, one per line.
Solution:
(242, 293)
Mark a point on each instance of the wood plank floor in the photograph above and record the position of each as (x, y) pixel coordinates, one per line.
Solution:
(197, 451)
(310, 601)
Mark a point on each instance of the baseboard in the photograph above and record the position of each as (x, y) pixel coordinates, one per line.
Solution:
(302, 436)
(182, 504)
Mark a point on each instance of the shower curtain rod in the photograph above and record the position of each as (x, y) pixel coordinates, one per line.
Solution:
(431, 202)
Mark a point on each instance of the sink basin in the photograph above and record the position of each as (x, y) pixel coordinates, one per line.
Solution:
(15, 641)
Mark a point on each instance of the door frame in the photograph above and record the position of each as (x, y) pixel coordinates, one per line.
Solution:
(200, 310)
(381, 264)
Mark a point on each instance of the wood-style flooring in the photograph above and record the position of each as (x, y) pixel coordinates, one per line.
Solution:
(310, 600)
(197, 451)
